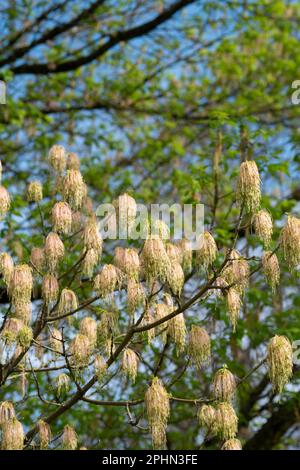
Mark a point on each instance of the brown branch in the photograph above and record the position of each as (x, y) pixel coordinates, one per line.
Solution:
(115, 39)
(286, 415)
(52, 33)
(79, 395)
(30, 25)
(179, 310)
(113, 403)
(51, 319)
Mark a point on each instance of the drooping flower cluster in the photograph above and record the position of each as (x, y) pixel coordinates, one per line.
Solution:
(280, 362)
(226, 421)
(263, 226)
(68, 302)
(44, 433)
(50, 289)
(74, 189)
(108, 326)
(177, 332)
(80, 350)
(237, 271)
(234, 306)
(128, 261)
(159, 229)
(290, 242)
(35, 192)
(92, 243)
(62, 218)
(175, 278)
(130, 364)
(7, 411)
(155, 261)
(62, 385)
(88, 327)
(135, 295)
(91, 236)
(91, 259)
(174, 253)
(207, 252)
(4, 202)
(271, 269)
(12, 435)
(100, 367)
(73, 162)
(206, 417)
(232, 444)
(158, 411)
(20, 285)
(186, 254)
(57, 158)
(54, 251)
(199, 346)
(25, 336)
(248, 191)
(6, 267)
(219, 420)
(37, 258)
(107, 281)
(11, 329)
(69, 438)
(126, 210)
(224, 385)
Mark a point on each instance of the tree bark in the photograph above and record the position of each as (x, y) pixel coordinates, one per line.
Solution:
(277, 425)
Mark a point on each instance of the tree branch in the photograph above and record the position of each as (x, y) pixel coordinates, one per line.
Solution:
(277, 425)
(115, 39)
(52, 33)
